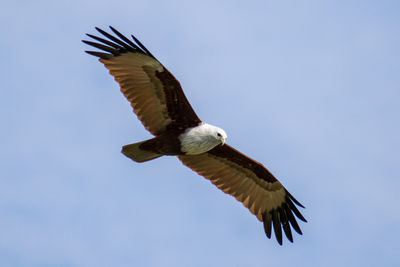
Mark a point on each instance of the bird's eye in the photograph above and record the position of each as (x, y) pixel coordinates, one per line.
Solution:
(219, 135)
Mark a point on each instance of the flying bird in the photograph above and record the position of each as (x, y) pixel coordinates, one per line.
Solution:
(158, 101)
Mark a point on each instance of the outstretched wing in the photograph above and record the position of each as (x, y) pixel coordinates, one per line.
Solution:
(154, 93)
(252, 184)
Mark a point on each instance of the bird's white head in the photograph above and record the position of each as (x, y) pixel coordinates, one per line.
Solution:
(214, 132)
(220, 135)
(202, 138)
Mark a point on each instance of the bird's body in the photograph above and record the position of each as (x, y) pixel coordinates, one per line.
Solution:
(159, 102)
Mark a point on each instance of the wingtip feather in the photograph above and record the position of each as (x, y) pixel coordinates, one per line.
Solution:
(267, 224)
(294, 199)
(277, 226)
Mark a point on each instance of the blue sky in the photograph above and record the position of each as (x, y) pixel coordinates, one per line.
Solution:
(309, 88)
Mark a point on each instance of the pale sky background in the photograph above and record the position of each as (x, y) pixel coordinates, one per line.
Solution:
(309, 88)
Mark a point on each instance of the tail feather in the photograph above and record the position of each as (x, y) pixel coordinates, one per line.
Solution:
(134, 152)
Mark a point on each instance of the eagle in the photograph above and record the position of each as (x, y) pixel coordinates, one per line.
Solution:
(157, 99)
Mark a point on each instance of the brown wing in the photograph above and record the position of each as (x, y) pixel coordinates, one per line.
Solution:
(250, 183)
(154, 93)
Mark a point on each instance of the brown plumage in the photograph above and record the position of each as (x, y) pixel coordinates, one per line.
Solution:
(159, 102)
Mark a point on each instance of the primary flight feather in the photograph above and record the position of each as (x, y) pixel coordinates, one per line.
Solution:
(160, 104)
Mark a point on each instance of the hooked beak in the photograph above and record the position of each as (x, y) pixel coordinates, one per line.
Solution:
(223, 141)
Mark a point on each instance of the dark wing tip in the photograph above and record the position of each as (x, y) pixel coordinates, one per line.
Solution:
(285, 224)
(283, 218)
(99, 54)
(294, 209)
(267, 220)
(277, 226)
(114, 45)
(293, 199)
(292, 219)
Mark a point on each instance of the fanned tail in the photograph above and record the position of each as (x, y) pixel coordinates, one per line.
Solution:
(134, 152)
